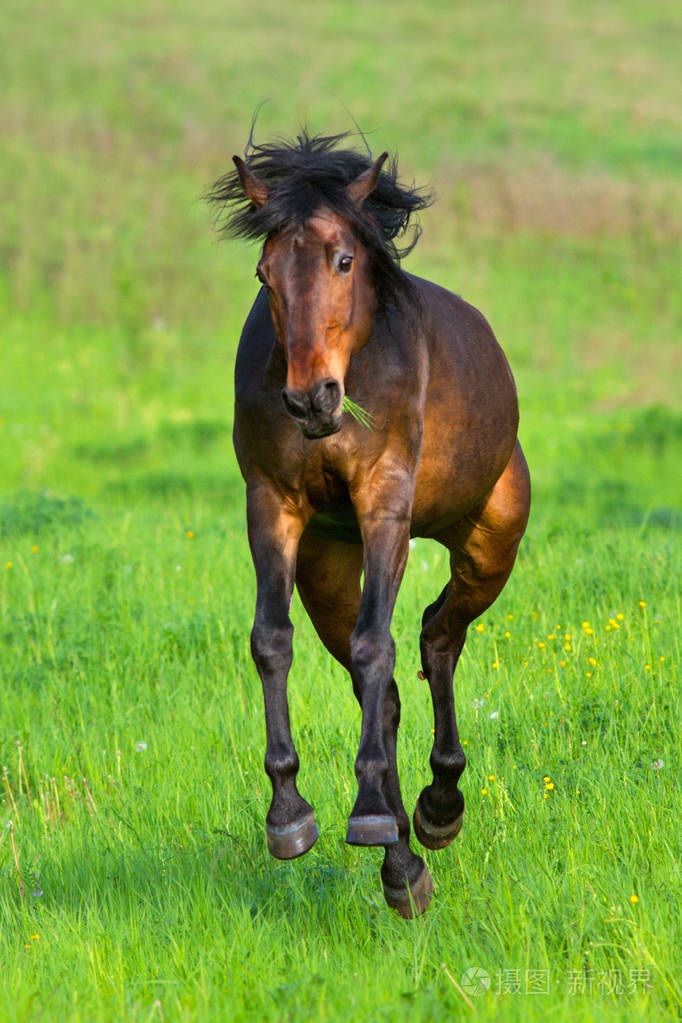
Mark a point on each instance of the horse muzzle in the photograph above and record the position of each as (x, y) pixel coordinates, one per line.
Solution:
(317, 411)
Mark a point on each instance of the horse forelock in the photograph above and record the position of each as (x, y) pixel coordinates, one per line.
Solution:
(313, 172)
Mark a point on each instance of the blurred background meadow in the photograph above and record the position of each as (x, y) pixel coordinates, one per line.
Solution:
(134, 878)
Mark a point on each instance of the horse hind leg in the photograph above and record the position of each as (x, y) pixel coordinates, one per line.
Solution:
(406, 879)
(328, 582)
(482, 553)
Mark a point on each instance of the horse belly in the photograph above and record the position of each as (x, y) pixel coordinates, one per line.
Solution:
(469, 436)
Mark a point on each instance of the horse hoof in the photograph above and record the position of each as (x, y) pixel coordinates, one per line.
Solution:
(434, 836)
(288, 841)
(379, 829)
(413, 901)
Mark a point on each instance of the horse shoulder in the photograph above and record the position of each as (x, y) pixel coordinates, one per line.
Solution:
(254, 354)
(266, 441)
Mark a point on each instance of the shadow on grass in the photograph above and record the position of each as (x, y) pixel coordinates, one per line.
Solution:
(197, 435)
(121, 452)
(615, 502)
(216, 872)
(31, 513)
(169, 483)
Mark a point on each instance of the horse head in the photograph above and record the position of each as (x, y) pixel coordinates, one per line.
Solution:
(318, 280)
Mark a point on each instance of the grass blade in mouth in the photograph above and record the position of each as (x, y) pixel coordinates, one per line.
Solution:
(357, 412)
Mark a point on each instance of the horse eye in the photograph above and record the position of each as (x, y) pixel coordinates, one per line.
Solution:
(260, 276)
(345, 264)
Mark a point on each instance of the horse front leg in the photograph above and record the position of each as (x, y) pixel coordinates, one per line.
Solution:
(274, 533)
(385, 535)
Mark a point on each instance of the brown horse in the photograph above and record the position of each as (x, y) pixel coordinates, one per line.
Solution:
(331, 502)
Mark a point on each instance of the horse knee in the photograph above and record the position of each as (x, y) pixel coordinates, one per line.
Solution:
(372, 655)
(271, 647)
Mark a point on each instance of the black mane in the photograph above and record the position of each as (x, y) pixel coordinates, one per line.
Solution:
(310, 172)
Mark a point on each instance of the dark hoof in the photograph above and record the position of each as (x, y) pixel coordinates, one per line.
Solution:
(292, 840)
(412, 901)
(379, 829)
(435, 836)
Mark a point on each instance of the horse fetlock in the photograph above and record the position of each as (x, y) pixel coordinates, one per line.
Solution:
(282, 765)
(447, 765)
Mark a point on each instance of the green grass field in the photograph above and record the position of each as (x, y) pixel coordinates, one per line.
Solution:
(135, 883)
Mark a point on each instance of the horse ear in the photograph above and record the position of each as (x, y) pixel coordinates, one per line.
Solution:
(254, 188)
(365, 183)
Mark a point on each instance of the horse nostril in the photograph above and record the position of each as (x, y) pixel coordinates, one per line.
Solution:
(325, 396)
(295, 404)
